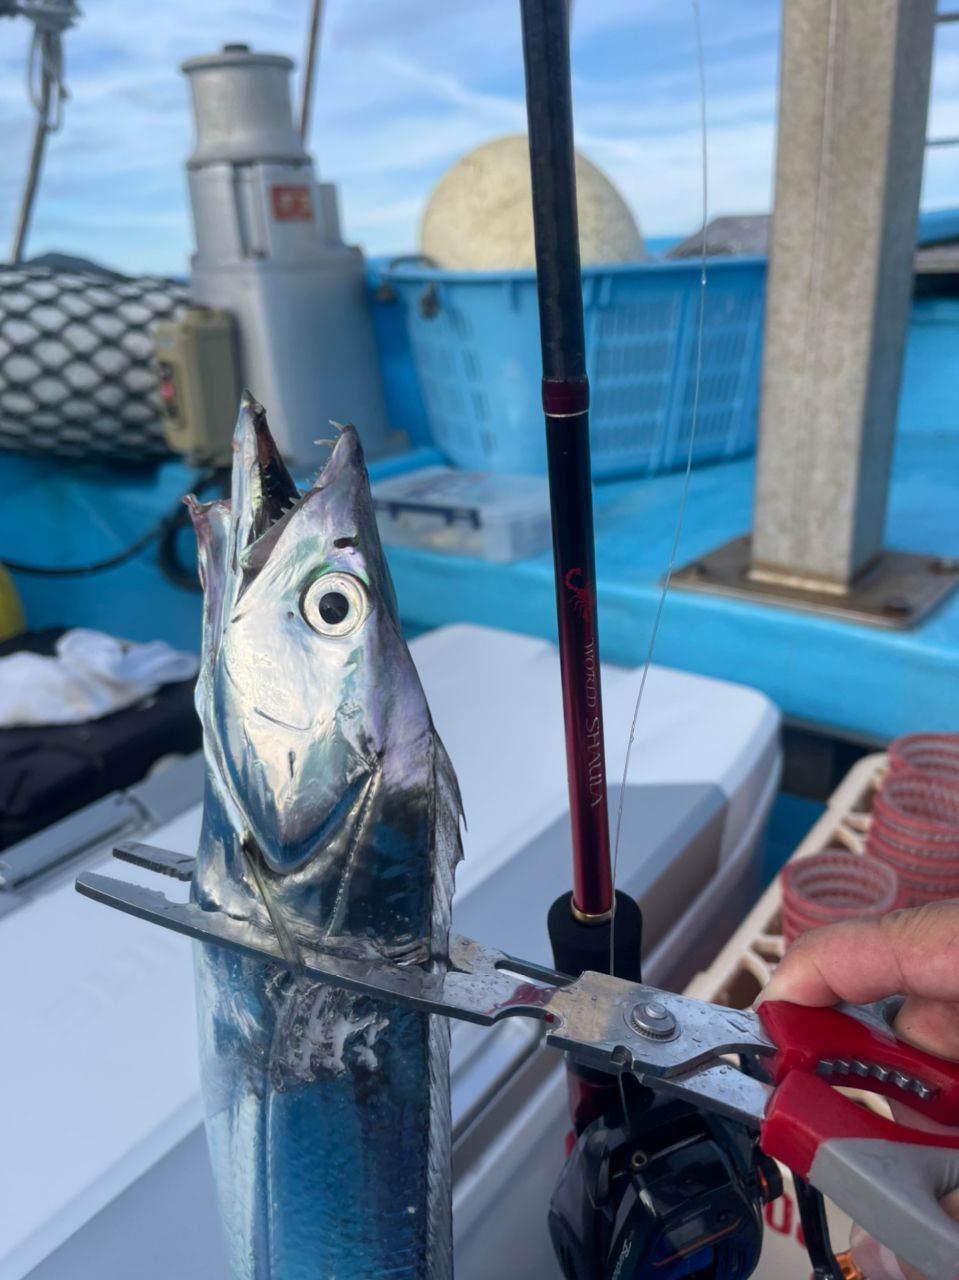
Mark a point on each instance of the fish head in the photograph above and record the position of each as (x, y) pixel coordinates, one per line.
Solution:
(309, 697)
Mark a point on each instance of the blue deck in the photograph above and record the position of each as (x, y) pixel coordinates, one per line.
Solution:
(855, 679)
(850, 678)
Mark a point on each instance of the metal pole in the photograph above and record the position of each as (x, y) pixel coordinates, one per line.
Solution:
(854, 88)
(309, 67)
(566, 408)
(51, 18)
(853, 97)
(33, 173)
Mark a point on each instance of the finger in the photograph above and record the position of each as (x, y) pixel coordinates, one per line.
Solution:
(929, 1024)
(913, 952)
(874, 1259)
(879, 1263)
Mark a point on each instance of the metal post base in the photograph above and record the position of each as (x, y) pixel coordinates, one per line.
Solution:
(896, 591)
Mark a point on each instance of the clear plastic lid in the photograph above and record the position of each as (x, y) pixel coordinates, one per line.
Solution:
(475, 495)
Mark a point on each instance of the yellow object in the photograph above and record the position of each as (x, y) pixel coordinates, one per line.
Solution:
(12, 620)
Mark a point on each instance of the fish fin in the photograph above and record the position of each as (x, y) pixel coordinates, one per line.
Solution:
(447, 844)
(448, 820)
(211, 522)
(445, 776)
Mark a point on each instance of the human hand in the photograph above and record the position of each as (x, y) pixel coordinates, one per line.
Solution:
(913, 953)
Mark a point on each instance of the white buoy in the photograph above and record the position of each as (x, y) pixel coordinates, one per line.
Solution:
(480, 218)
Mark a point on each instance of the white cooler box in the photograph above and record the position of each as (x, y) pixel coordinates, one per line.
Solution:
(104, 1171)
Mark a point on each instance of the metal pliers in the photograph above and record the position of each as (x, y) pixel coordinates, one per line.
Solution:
(888, 1177)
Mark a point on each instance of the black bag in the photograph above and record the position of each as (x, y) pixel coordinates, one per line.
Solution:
(48, 772)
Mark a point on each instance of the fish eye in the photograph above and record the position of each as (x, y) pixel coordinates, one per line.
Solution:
(335, 605)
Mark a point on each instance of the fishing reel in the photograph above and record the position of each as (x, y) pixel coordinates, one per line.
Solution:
(662, 1190)
(652, 1187)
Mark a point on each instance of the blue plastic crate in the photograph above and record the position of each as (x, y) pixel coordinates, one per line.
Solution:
(474, 344)
(404, 401)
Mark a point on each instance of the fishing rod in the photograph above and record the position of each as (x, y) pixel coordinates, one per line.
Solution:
(581, 921)
(623, 1204)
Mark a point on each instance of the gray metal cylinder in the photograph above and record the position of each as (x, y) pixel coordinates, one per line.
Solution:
(242, 108)
(267, 251)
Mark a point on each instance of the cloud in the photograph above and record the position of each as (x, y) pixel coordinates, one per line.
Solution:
(404, 88)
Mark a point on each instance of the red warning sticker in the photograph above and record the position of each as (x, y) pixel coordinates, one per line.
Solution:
(292, 204)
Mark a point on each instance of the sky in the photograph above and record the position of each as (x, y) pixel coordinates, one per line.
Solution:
(405, 88)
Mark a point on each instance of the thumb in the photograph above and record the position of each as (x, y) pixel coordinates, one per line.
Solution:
(905, 953)
(930, 1025)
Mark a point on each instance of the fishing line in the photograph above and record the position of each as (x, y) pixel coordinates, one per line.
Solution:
(697, 22)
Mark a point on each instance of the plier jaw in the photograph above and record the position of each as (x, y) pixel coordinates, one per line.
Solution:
(887, 1176)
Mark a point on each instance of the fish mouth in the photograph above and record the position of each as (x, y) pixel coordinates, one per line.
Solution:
(275, 491)
(275, 497)
(237, 535)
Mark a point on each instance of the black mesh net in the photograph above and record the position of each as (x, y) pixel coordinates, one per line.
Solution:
(77, 377)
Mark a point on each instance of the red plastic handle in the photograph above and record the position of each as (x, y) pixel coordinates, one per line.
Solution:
(805, 1113)
(888, 1178)
(806, 1038)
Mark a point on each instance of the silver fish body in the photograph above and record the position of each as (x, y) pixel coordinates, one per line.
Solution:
(332, 815)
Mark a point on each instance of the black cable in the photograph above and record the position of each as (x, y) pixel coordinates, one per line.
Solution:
(168, 554)
(812, 1215)
(79, 571)
(162, 530)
